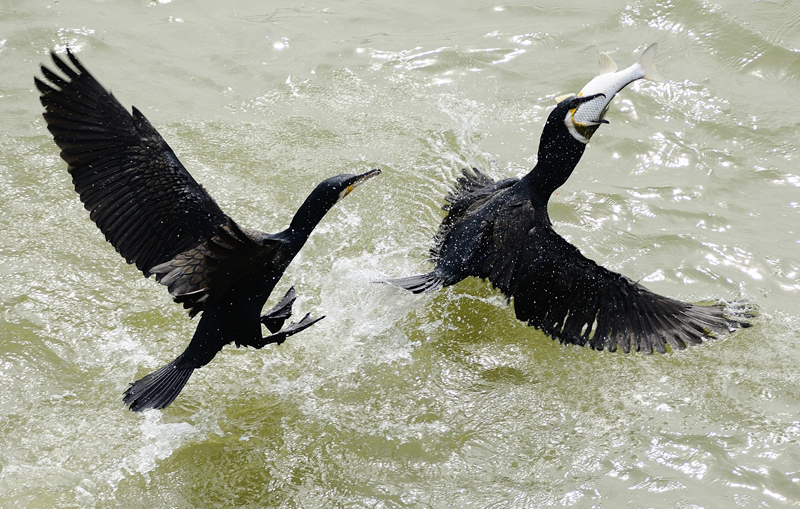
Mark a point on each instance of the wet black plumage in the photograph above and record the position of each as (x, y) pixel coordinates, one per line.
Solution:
(158, 217)
(501, 231)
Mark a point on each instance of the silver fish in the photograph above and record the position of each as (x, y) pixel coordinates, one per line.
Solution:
(588, 116)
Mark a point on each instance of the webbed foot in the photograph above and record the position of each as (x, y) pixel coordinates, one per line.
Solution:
(292, 329)
(280, 312)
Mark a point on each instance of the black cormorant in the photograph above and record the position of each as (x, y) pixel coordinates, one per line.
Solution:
(157, 216)
(501, 231)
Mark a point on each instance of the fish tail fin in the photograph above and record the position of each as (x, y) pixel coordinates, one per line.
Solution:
(424, 283)
(158, 389)
(648, 63)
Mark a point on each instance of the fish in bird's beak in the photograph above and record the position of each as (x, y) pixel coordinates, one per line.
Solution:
(588, 116)
(360, 179)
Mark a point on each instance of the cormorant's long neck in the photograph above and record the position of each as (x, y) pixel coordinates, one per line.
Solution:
(308, 216)
(559, 153)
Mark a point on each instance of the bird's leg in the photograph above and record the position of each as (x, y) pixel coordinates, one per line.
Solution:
(280, 312)
(277, 316)
(280, 337)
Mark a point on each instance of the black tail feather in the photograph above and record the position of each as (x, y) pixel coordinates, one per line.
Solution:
(423, 283)
(158, 389)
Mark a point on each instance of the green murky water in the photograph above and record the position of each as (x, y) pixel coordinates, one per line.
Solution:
(396, 400)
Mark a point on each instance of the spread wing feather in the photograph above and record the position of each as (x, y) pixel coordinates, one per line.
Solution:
(558, 290)
(137, 191)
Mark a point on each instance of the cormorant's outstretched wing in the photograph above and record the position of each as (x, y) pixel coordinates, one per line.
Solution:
(138, 193)
(558, 290)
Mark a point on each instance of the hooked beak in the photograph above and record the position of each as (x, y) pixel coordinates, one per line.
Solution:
(360, 179)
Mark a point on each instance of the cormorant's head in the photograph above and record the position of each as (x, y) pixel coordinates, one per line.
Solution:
(331, 190)
(561, 139)
(325, 196)
(340, 186)
(560, 148)
(581, 131)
